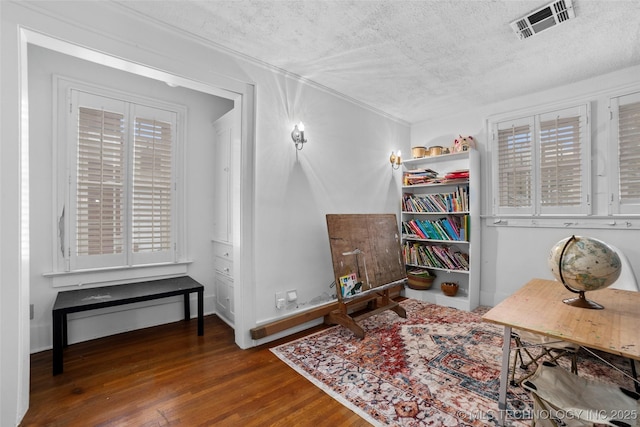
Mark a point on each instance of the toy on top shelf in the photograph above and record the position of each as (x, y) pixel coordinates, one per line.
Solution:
(463, 143)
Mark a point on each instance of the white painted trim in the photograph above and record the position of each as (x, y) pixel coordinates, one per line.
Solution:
(117, 275)
(23, 368)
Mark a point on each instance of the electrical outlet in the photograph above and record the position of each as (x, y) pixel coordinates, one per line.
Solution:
(280, 300)
(292, 296)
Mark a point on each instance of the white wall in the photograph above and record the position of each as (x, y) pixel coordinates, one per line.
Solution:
(512, 255)
(343, 168)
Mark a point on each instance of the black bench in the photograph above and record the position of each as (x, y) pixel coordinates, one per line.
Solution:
(110, 296)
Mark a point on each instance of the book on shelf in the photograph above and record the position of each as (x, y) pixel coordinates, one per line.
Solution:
(431, 230)
(444, 256)
(428, 176)
(463, 260)
(451, 227)
(455, 201)
(435, 256)
(417, 230)
(466, 225)
(457, 174)
(442, 233)
(419, 176)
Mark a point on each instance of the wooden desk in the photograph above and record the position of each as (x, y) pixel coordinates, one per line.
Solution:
(537, 307)
(109, 296)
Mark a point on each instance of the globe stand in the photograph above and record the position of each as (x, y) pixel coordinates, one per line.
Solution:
(580, 301)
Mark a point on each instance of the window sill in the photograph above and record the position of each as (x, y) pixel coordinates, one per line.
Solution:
(117, 275)
(613, 222)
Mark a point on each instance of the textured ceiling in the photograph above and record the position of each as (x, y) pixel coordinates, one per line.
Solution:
(415, 59)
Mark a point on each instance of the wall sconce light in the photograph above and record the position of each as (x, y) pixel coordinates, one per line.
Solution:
(297, 134)
(395, 159)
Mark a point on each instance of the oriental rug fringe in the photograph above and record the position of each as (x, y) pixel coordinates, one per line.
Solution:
(438, 367)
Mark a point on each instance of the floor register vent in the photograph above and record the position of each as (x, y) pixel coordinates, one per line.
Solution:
(546, 17)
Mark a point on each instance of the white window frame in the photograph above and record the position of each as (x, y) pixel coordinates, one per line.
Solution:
(534, 120)
(64, 191)
(617, 206)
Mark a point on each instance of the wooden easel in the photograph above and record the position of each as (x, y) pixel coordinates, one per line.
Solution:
(368, 245)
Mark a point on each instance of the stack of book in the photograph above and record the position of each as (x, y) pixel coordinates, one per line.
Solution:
(460, 174)
(420, 176)
(448, 228)
(435, 256)
(455, 201)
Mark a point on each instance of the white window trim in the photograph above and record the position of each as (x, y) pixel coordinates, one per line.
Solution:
(61, 87)
(536, 210)
(615, 207)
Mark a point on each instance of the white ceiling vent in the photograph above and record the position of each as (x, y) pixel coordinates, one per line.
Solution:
(546, 17)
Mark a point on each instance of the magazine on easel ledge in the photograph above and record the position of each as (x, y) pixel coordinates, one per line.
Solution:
(349, 285)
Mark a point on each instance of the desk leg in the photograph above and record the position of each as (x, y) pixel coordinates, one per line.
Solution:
(187, 307)
(504, 375)
(58, 341)
(634, 374)
(201, 312)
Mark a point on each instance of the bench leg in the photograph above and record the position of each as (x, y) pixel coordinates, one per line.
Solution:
(58, 341)
(65, 331)
(187, 307)
(187, 310)
(201, 312)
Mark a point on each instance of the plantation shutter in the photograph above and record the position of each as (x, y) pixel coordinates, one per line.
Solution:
(152, 186)
(564, 149)
(629, 153)
(542, 164)
(514, 167)
(122, 183)
(100, 182)
(560, 162)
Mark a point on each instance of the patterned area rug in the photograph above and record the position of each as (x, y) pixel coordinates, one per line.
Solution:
(438, 367)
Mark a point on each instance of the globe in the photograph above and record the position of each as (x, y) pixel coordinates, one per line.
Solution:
(584, 264)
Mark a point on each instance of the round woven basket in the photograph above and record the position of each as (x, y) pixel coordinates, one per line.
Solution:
(450, 289)
(420, 283)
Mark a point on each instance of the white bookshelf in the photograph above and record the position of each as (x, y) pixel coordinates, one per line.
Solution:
(468, 296)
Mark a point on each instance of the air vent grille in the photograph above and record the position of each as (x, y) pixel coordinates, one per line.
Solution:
(543, 18)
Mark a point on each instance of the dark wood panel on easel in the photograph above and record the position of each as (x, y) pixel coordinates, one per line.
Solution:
(376, 238)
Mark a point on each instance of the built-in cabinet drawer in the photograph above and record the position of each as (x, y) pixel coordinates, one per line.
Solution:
(223, 266)
(223, 250)
(224, 298)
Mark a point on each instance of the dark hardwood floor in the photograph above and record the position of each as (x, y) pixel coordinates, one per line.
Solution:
(168, 376)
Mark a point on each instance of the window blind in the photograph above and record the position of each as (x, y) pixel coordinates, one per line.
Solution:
(629, 152)
(560, 162)
(100, 182)
(515, 166)
(152, 186)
